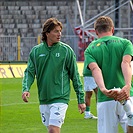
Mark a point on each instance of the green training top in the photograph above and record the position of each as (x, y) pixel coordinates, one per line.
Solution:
(86, 71)
(107, 52)
(53, 67)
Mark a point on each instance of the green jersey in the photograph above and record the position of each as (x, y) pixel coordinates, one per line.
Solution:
(108, 52)
(86, 71)
(53, 68)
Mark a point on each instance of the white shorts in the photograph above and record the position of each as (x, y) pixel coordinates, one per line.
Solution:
(89, 83)
(53, 114)
(128, 107)
(110, 113)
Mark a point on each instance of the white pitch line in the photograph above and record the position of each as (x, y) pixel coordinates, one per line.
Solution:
(24, 103)
(18, 104)
(2, 105)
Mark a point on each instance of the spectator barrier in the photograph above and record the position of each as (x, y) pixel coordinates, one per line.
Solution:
(16, 69)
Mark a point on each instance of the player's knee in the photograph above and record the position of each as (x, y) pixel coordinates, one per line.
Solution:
(53, 129)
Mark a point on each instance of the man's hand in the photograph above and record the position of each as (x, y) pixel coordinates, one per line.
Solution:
(25, 96)
(111, 93)
(124, 94)
(81, 108)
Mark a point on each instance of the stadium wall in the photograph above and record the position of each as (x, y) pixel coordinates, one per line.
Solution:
(16, 70)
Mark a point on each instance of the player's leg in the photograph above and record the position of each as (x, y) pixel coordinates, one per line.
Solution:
(122, 117)
(44, 111)
(57, 116)
(88, 95)
(130, 118)
(130, 129)
(107, 117)
(125, 110)
(96, 91)
(88, 87)
(53, 129)
(53, 116)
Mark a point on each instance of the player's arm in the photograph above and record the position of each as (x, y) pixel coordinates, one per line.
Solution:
(97, 74)
(28, 79)
(127, 73)
(126, 69)
(71, 65)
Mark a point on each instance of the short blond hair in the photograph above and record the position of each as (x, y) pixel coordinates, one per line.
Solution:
(103, 24)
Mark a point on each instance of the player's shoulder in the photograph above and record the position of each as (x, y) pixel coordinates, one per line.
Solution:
(38, 46)
(123, 40)
(93, 43)
(65, 45)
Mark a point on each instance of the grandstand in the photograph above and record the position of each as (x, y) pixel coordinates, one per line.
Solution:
(25, 19)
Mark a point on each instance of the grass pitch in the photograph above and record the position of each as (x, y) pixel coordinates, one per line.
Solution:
(19, 117)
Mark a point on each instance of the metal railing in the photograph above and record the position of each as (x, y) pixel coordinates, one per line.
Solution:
(16, 48)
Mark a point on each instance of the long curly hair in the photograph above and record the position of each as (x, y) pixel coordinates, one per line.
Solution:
(49, 25)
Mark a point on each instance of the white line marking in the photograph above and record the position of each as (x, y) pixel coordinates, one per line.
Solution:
(24, 103)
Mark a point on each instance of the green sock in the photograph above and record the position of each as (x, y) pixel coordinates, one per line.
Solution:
(87, 108)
